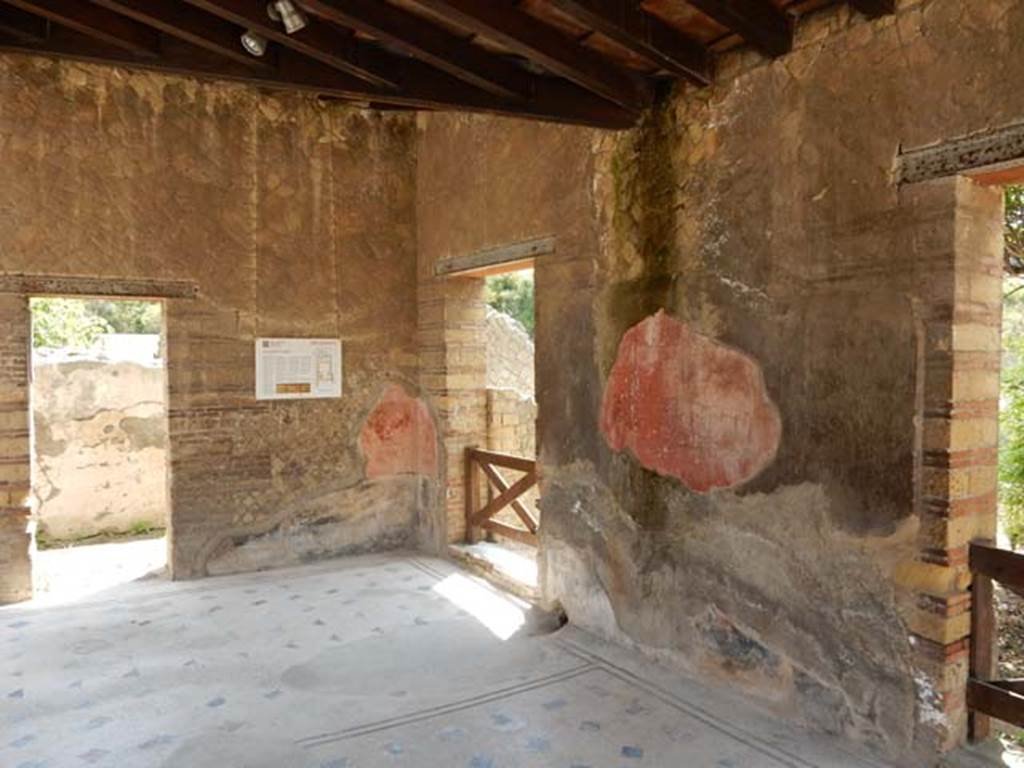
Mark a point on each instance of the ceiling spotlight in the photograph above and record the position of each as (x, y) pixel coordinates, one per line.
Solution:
(254, 43)
(285, 12)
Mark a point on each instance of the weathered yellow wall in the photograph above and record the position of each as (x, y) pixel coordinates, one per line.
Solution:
(294, 218)
(762, 216)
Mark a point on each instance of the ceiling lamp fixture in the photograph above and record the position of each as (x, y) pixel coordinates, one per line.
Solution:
(288, 14)
(254, 43)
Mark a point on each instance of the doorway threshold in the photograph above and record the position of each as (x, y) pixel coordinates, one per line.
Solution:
(508, 566)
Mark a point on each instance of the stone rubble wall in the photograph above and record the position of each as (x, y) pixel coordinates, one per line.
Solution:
(99, 448)
(509, 354)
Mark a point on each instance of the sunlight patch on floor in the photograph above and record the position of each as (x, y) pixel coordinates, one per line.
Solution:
(513, 561)
(503, 615)
(68, 574)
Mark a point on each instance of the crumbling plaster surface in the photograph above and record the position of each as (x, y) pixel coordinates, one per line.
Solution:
(295, 218)
(759, 213)
(99, 447)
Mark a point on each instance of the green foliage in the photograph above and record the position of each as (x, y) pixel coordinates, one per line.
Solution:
(78, 323)
(1011, 449)
(65, 323)
(128, 316)
(513, 295)
(1014, 231)
(1011, 412)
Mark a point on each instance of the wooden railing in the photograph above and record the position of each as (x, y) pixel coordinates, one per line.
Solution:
(480, 516)
(986, 696)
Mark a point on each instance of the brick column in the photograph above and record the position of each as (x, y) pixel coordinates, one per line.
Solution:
(15, 464)
(960, 252)
(453, 371)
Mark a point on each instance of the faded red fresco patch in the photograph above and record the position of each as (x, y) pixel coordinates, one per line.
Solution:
(399, 437)
(688, 407)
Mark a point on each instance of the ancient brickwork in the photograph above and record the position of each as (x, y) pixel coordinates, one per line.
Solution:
(764, 215)
(826, 575)
(547, 193)
(453, 367)
(15, 568)
(277, 216)
(962, 233)
(511, 421)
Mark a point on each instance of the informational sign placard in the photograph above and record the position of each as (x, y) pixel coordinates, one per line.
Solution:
(289, 369)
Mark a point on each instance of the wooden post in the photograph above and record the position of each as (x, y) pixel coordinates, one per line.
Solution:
(983, 629)
(472, 496)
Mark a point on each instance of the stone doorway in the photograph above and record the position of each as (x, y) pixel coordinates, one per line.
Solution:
(510, 418)
(98, 444)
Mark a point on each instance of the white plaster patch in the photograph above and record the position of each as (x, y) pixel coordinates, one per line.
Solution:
(929, 701)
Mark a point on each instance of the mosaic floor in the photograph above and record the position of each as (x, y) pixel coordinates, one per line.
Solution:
(368, 661)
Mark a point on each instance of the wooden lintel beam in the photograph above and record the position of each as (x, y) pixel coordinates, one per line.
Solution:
(325, 44)
(874, 8)
(295, 72)
(546, 46)
(427, 42)
(22, 26)
(96, 22)
(175, 18)
(626, 23)
(503, 258)
(758, 22)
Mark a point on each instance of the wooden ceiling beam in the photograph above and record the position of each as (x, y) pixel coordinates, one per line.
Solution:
(553, 50)
(536, 95)
(874, 8)
(189, 24)
(758, 22)
(325, 44)
(96, 22)
(296, 72)
(427, 42)
(22, 26)
(626, 23)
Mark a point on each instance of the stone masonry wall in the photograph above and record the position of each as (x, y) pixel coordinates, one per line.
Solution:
(15, 541)
(294, 218)
(768, 373)
(509, 354)
(100, 447)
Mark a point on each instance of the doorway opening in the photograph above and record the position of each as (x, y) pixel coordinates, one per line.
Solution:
(505, 543)
(1009, 607)
(99, 447)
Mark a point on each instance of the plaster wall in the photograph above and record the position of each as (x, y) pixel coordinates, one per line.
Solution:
(100, 447)
(822, 567)
(293, 218)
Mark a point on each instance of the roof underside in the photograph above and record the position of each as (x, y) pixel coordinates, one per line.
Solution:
(591, 62)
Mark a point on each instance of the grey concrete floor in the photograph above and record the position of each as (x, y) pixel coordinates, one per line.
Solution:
(367, 661)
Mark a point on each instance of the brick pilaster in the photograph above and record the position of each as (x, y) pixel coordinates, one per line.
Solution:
(15, 464)
(957, 499)
(453, 371)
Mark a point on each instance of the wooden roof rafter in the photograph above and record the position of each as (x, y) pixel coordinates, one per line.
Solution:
(590, 62)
